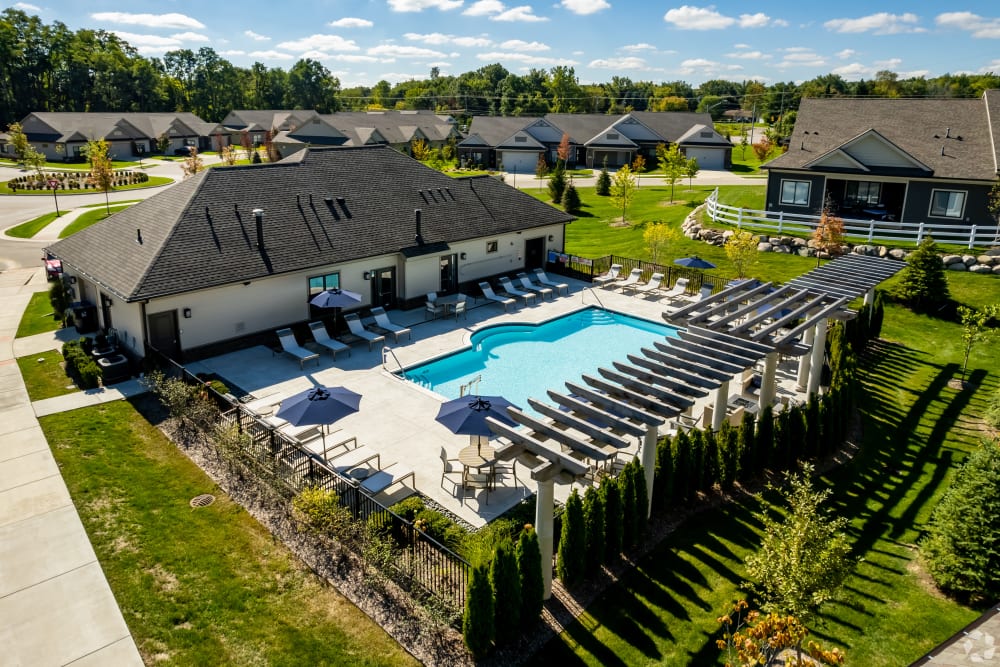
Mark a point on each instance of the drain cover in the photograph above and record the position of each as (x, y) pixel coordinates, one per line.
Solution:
(204, 500)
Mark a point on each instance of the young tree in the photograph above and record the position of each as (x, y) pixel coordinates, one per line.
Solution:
(571, 199)
(506, 585)
(34, 160)
(478, 621)
(228, 155)
(672, 163)
(192, 163)
(541, 167)
(753, 639)
(922, 283)
(529, 569)
(163, 142)
(420, 150)
(623, 189)
(691, 170)
(744, 143)
(593, 517)
(763, 148)
(572, 542)
(102, 176)
(19, 141)
(613, 529)
(975, 329)
(246, 143)
(657, 236)
(557, 184)
(803, 560)
(562, 151)
(741, 249)
(638, 166)
(603, 186)
(828, 237)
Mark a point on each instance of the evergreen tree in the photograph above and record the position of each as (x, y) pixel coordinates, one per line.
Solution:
(572, 542)
(812, 428)
(603, 186)
(626, 482)
(613, 531)
(697, 439)
(922, 284)
(506, 582)
(593, 516)
(765, 437)
(877, 316)
(529, 568)
(477, 625)
(557, 184)
(641, 500)
(683, 467)
(782, 459)
(571, 199)
(728, 455)
(711, 473)
(747, 447)
(663, 479)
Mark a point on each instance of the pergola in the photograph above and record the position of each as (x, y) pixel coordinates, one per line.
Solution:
(725, 335)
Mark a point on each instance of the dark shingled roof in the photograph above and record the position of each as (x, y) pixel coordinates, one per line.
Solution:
(920, 127)
(201, 233)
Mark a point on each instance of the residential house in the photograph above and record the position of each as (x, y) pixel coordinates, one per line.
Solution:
(229, 252)
(594, 139)
(398, 129)
(902, 160)
(63, 135)
(290, 130)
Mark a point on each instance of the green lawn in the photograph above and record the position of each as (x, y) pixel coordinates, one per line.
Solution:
(206, 586)
(27, 230)
(89, 218)
(916, 431)
(44, 375)
(38, 317)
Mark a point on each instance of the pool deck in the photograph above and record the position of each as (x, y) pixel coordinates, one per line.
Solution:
(397, 417)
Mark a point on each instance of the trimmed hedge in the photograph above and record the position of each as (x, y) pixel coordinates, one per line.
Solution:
(80, 365)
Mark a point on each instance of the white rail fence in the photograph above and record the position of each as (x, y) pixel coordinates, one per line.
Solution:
(871, 230)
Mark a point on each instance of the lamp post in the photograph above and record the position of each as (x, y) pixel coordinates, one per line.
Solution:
(54, 184)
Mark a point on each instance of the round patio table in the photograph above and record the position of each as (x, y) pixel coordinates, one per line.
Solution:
(477, 457)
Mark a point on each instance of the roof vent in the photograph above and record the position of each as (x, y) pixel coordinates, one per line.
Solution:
(328, 201)
(342, 201)
(947, 133)
(418, 237)
(258, 214)
(138, 236)
(942, 150)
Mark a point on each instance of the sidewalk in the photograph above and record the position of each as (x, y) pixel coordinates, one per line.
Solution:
(54, 598)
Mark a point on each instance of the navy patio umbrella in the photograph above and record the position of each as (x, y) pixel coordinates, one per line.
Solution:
(467, 415)
(336, 298)
(694, 262)
(319, 405)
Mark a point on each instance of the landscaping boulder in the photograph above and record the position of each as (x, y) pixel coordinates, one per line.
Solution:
(996, 270)
(985, 259)
(981, 268)
(948, 260)
(968, 260)
(897, 253)
(764, 246)
(957, 266)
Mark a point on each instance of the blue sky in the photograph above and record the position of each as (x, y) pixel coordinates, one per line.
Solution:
(362, 41)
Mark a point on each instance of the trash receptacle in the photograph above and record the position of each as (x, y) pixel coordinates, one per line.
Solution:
(84, 316)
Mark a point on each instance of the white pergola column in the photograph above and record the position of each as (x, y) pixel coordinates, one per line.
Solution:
(649, 463)
(767, 380)
(870, 297)
(721, 399)
(802, 379)
(819, 347)
(544, 508)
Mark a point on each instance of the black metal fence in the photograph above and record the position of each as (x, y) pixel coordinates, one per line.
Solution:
(586, 269)
(416, 560)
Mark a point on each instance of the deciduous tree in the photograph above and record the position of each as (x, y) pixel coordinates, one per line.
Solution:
(657, 236)
(691, 170)
(828, 237)
(750, 639)
(102, 175)
(192, 163)
(976, 328)
(672, 163)
(741, 249)
(623, 189)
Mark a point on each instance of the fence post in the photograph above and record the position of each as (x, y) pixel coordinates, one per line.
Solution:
(972, 237)
(920, 233)
(871, 230)
(781, 221)
(739, 219)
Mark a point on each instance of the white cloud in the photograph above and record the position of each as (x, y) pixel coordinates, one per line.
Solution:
(706, 67)
(150, 20)
(355, 58)
(992, 67)
(854, 71)
(398, 51)
(584, 7)
(271, 55)
(635, 48)
(630, 62)
(890, 64)
(257, 38)
(543, 61)
(522, 13)
(440, 38)
(801, 57)
(758, 20)
(148, 41)
(846, 54)
(882, 23)
(469, 42)
(698, 18)
(980, 27)
(350, 22)
(421, 5)
(521, 45)
(741, 46)
(320, 43)
(233, 52)
(26, 7)
(190, 37)
(484, 8)
(749, 55)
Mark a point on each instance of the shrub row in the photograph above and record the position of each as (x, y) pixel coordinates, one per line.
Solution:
(74, 180)
(80, 365)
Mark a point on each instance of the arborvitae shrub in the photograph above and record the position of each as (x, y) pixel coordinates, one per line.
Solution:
(697, 440)
(613, 530)
(922, 284)
(663, 479)
(728, 455)
(683, 467)
(477, 625)
(641, 500)
(572, 542)
(626, 482)
(878, 316)
(782, 441)
(506, 583)
(747, 447)
(557, 184)
(603, 186)
(593, 517)
(710, 474)
(529, 568)
(571, 199)
(765, 437)
(796, 435)
(813, 428)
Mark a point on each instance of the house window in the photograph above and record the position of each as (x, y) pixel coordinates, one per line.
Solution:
(613, 136)
(492, 246)
(520, 140)
(319, 283)
(795, 193)
(947, 203)
(864, 192)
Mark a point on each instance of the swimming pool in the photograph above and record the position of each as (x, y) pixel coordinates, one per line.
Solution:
(518, 361)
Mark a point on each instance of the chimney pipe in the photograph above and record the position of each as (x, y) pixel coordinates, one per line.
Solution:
(138, 236)
(418, 238)
(947, 133)
(258, 214)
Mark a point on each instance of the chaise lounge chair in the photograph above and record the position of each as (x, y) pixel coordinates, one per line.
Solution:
(544, 279)
(492, 296)
(631, 280)
(509, 288)
(538, 289)
(358, 329)
(677, 291)
(323, 339)
(383, 323)
(650, 287)
(609, 277)
(291, 347)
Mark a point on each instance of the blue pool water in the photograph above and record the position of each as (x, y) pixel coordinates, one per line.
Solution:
(518, 361)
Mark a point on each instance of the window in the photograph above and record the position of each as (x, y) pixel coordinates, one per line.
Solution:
(612, 136)
(795, 193)
(520, 140)
(491, 246)
(864, 192)
(319, 283)
(947, 203)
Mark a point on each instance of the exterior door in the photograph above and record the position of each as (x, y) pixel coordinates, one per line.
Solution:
(106, 311)
(534, 253)
(449, 274)
(163, 333)
(384, 287)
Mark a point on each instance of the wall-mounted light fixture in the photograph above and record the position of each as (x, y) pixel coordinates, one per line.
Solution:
(367, 275)
(187, 313)
(551, 238)
(461, 255)
(72, 280)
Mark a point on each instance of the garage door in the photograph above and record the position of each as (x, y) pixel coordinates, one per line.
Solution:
(524, 163)
(708, 158)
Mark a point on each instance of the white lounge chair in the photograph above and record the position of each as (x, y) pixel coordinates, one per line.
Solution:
(380, 480)
(544, 279)
(609, 277)
(358, 329)
(323, 339)
(706, 291)
(631, 280)
(652, 286)
(383, 322)
(492, 296)
(538, 289)
(291, 347)
(509, 288)
(678, 290)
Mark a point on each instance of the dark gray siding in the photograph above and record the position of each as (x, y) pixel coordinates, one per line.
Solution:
(774, 204)
(918, 203)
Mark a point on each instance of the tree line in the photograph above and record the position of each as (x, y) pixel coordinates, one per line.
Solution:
(48, 67)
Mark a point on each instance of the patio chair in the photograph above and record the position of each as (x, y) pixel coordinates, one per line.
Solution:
(353, 458)
(433, 309)
(459, 309)
(609, 277)
(704, 293)
(492, 296)
(291, 347)
(358, 329)
(544, 279)
(678, 290)
(653, 285)
(449, 472)
(263, 407)
(544, 292)
(382, 479)
(383, 322)
(502, 468)
(631, 280)
(323, 339)
(509, 288)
